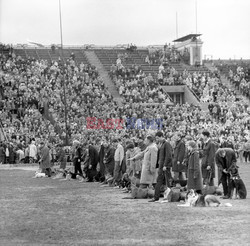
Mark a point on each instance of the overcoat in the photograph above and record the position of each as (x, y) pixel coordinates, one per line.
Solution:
(179, 155)
(133, 166)
(208, 159)
(224, 163)
(164, 155)
(149, 164)
(194, 172)
(108, 160)
(45, 158)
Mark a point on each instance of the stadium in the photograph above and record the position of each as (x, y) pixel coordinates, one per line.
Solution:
(129, 143)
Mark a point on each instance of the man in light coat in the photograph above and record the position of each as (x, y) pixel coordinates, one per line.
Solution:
(149, 155)
(32, 151)
(119, 156)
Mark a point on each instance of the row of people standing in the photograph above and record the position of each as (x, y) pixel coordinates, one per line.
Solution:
(154, 161)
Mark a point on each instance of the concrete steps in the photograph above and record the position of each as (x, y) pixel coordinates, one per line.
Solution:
(94, 60)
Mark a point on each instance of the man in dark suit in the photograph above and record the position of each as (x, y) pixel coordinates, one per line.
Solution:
(77, 154)
(208, 159)
(101, 171)
(225, 158)
(179, 168)
(164, 163)
(108, 160)
(92, 161)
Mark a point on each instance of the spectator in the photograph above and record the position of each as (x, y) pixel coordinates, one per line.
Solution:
(225, 158)
(194, 170)
(45, 159)
(164, 163)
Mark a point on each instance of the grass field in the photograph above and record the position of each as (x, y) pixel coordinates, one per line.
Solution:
(52, 212)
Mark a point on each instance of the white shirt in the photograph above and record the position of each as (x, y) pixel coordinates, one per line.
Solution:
(33, 150)
(119, 153)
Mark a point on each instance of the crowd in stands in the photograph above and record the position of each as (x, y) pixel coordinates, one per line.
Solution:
(21, 103)
(30, 87)
(163, 56)
(6, 47)
(131, 47)
(238, 72)
(135, 86)
(241, 79)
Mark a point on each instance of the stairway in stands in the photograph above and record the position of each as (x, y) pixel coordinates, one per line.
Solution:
(227, 83)
(94, 60)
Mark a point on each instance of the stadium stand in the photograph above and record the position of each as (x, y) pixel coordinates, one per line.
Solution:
(33, 101)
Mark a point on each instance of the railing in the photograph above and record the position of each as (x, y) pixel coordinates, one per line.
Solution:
(194, 94)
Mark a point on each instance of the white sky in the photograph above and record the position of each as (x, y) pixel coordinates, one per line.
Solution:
(223, 23)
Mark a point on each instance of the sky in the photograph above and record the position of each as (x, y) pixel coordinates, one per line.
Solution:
(224, 24)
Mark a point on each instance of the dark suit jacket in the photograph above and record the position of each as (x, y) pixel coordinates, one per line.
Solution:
(208, 158)
(45, 158)
(224, 163)
(179, 155)
(93, 156)
(108, 159)
(101, 156)
(164, 156)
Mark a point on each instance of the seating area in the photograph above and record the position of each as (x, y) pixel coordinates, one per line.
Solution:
(52, 55)
(109, 57)
(33, 89)
(21, 100)
(134, 85)
(238, 72)
(28, 87)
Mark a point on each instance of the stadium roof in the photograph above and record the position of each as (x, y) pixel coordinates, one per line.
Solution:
(187, 37)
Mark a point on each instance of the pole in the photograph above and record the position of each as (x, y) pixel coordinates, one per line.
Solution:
(176, 25)
(196, 53)
(65, 111)
(60, 14)
(196, 16)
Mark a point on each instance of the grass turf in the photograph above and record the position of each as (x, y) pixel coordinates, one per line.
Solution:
(44, 211)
